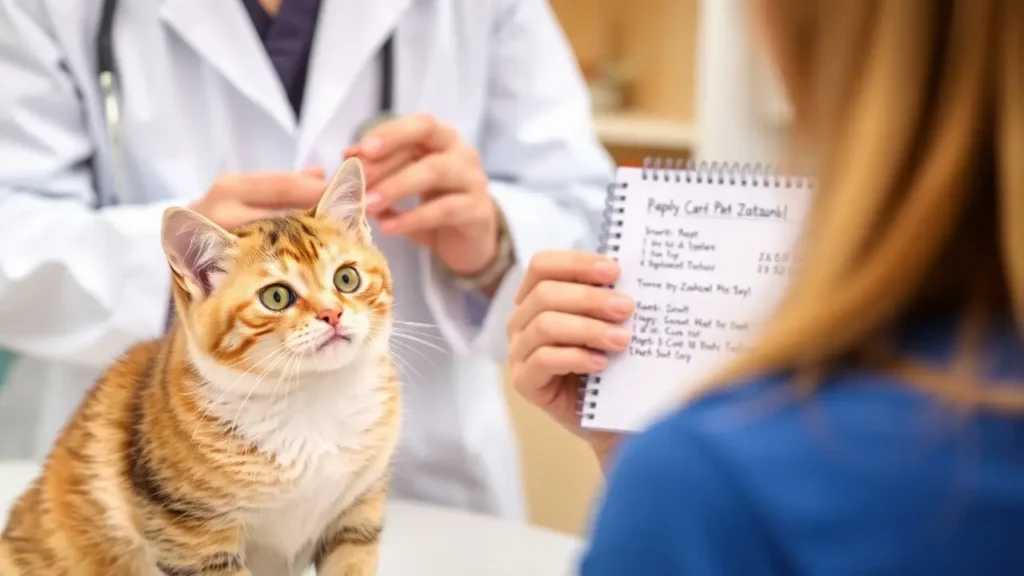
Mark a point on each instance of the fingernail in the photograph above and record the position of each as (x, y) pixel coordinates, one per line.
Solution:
(371, 145)
(620, 304)
(617, 336)
(598, 359)
(372, 200)
(606, 267)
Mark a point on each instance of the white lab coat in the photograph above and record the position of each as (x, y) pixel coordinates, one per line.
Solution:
(82, 274)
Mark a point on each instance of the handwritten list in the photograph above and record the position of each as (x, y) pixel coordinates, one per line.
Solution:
(691, 311)
(706, 264)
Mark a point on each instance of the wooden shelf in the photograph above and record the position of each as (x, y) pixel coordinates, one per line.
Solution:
(651, 44)
(636, 130)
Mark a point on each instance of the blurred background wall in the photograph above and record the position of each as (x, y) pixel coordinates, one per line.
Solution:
(670, 78)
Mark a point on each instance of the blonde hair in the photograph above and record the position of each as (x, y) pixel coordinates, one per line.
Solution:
(914, 114)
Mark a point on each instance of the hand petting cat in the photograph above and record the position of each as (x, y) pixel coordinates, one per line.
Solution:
(235, 199)
(417, 156)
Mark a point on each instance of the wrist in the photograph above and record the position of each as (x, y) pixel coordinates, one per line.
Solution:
(604, 460)
(488, 278)
(604, 446)
(485, 253)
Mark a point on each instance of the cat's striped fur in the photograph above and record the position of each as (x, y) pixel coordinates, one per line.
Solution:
(248, 440)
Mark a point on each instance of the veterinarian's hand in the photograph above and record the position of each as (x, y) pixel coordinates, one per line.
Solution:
(238, 198)
(417, 156)
(564, 325)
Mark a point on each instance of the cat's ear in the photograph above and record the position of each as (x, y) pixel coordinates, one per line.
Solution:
(196, 249)
(344, 200)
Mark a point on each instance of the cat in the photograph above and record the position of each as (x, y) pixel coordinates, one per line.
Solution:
(256, 437)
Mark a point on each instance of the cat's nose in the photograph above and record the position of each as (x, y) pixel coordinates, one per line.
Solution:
(330, 315)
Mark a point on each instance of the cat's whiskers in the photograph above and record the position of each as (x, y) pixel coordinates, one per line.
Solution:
(408, 324)
(199, 391)
(210, 405)
(398, 330)
(401, 363)
(418, 338)
(414, 324)
(405, 324)
(251, 353)
(280, 377)
(288, 386)
(415, 338)
(405, 347)
(224, 432)
(404, 376)
(266, 356)
(397, 345)
(259, 380)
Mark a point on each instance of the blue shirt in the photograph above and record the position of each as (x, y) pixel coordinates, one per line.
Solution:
(867, 476)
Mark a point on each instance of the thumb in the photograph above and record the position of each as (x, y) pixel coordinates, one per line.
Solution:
(241, 214)
(314, 172)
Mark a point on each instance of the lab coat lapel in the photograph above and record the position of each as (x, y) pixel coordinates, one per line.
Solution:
(221, 33)
(349, 34)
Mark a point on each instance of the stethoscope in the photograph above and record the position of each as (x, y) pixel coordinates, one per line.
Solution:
(111, 97)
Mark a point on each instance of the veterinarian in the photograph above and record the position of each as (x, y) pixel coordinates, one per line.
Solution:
(471, 117)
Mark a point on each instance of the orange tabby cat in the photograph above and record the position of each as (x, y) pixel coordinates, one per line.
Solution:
(255, 438)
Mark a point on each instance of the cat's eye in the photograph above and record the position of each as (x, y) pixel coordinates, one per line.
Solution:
(346, 279)
(277, 297)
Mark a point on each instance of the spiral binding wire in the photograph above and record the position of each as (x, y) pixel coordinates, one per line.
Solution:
(763, 175)
(611, 226)
(609, 244)
(673, 170)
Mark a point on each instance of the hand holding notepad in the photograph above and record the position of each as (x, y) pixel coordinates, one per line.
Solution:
(707, 255)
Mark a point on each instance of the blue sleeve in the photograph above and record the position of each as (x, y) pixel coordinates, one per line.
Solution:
(671, 509)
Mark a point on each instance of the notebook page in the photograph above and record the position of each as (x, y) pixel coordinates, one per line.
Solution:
(706, 262)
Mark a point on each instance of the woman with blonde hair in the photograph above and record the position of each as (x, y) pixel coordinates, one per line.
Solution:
(877, 426)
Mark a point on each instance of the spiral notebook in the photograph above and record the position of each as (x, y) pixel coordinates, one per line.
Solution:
(706, 252)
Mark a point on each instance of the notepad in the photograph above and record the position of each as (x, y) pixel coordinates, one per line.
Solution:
(707, 253)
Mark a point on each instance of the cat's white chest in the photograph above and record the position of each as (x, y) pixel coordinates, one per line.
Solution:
(282, 537)
(320, 441)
